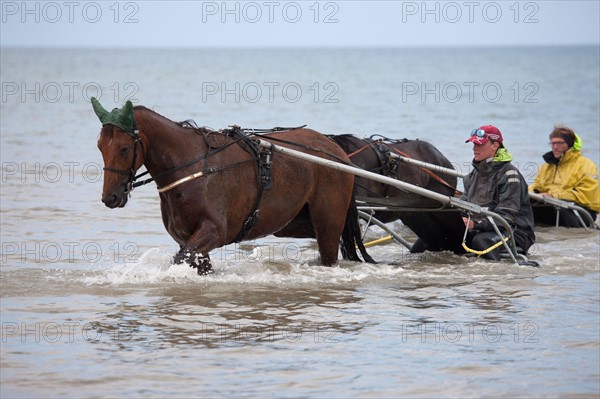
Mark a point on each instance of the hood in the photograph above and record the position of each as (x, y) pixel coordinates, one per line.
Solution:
(577, 144)
(502, 155)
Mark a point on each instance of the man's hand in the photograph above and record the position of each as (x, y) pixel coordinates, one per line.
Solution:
(471, 223)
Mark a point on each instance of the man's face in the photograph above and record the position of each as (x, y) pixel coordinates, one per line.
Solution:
(559, 147)
(484, 151)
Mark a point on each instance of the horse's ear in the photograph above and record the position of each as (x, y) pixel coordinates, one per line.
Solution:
(127, 119)
(127, 108)
(99, 109)
(126, 113)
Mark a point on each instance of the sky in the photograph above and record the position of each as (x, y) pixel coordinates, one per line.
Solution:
(267, 23)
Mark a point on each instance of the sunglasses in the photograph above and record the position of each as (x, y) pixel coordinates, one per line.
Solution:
(558, 143)
(479, 133)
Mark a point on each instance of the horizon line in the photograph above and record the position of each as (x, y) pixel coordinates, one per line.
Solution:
(296, 47)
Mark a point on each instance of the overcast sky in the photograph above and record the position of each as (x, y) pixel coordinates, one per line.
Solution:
(298, 23)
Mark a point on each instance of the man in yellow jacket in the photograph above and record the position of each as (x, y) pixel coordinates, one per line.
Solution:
(566, 175)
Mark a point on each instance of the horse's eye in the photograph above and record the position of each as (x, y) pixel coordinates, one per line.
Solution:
(124, 151)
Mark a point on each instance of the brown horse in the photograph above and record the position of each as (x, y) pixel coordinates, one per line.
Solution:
(437, 230)
(216, 187)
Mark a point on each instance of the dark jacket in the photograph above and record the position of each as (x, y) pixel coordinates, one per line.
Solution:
(500, 188)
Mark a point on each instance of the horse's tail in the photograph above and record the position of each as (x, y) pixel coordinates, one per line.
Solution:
(351, 236)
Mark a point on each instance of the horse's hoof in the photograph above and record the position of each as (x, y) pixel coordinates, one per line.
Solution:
(179, 258)
(203, 271)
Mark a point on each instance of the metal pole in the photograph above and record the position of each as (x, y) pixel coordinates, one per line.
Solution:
(357, 171)
(382, 225)
(446, 200)
(430, 166)
(565, 205)
(551, 201)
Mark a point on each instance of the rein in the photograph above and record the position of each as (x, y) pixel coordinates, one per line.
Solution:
(196, 175)
(132, 177)
(261, 157)
(361, 149)
(429, 172)
(243, 137)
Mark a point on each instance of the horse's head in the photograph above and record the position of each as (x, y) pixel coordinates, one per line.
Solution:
(122, 151)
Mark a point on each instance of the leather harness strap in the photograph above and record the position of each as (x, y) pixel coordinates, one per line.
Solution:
(388, 169)
(429, 172)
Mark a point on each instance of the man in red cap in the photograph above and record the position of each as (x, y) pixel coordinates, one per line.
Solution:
(494, 183)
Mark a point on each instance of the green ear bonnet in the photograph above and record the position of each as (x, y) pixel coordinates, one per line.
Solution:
(122, 118)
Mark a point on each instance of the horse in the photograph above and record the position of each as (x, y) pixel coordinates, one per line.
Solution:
(219, 187)
(436, 230)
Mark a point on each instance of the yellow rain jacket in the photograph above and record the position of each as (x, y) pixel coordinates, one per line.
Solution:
(571, 178)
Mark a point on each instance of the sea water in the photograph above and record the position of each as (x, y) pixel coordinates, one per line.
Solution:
(92, 306)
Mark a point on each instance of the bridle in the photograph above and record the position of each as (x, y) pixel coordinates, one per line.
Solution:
(131, 176)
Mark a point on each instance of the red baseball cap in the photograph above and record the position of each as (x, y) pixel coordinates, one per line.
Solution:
(484, 134)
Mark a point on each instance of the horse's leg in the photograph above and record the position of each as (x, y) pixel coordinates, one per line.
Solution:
(195, 250)
(328, 220)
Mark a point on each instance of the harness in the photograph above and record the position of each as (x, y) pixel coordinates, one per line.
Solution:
(389, 163)
(261, 156)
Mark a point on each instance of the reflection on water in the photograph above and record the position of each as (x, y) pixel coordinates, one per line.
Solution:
(182, 318)
(374, 335)
(394, 329)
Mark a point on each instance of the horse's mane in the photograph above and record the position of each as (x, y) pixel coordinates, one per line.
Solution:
(343, 137)
(348, 142)
(186, 124)
(191, 124)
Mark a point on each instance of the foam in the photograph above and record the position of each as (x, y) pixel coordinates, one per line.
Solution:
(295, 263)
(155, 267)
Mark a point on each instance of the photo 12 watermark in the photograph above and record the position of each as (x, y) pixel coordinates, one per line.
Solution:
(255, 252)
(471, 92)
(71, 332)
(254, 12)
(68, 252)
(71, 92)
(469, 332)
(66, 332)
(50, 172)
(529, 169)
(316, 333)
(452, 12)
(70, 12)
(270, 92)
